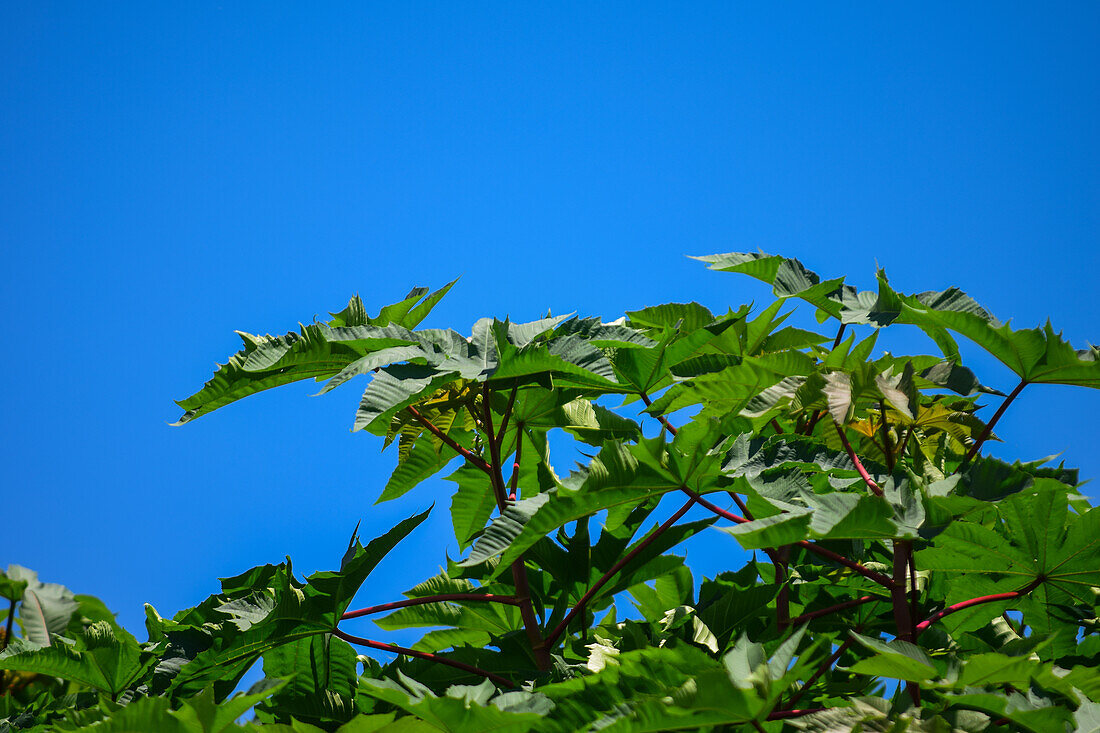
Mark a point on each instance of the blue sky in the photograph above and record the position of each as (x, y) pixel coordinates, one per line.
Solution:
(170, 173)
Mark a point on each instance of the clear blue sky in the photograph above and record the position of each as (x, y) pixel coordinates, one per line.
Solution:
(170, 173)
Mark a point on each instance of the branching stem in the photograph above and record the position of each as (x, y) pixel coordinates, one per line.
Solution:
(996, 416)
(664, 421)
(875, 489)
(554, 635)
(442, 597)
(7, 637)
(798, 620)
(963, 605)
(519, 569)
(812, 547)
(382, 646)
(468, 455)
(513, 488)
(887, 447)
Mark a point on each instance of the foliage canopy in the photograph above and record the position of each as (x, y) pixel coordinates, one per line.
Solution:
(903, 579)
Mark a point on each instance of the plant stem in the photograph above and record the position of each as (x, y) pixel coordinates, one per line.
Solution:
(495, 476)
(812, 547)
(442, 597)
(898, 596)
(554, 635)
(382, 646)
(900, 603)
(783, 599)
(664, 421)
(513, 489)
(914, 596)
(839, 335)
(797, 620)
(900, 449)
(778, 556)
(996, 416)
(887, 447)
(776, 426)
(7, 637)
(508, 411)
(813, 422)
(468, 455)
(519, 569)
(963, 605)
(823, 668)
(785, 714)
(855, 459)
(8, 626)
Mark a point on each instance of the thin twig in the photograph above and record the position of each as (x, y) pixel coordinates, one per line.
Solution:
(553, 636)
(914, 597)
(442, 597)
(799, 620)
(839, 335)
(855, 459)
(887, 447)
(963, 605)
(468, 455)
(382, 646)
(866, 572)
(519, 569)
(664, 421)
(824, 667)
(508, 411)
(495, 476)
(996, 416)
(513, 488)
(7, 638)
(786, 714)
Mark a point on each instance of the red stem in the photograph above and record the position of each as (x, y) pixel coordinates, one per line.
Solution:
(495, 477)
(824, 667)
(914, 597)
(664, 421)
(513, 489)
(816, 549)
(888, 448)
(963, 605)
(839, 335)
(784, 714)
(855, 459)
(996, 416)
(797, 620)
(779, 561)
(519, 570)
(469, 456)
(554, 635)
(508, 411)
(383, 607)
(903, 550)
(776, 426)
(503, 681)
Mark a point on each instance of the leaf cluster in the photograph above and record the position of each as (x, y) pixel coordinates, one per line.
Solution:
(897, 578)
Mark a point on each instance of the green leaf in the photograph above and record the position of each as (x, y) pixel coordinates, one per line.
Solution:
(322, 678)
(394, 388)
(266, 362)
(1036, 355)
(99, 659)
(45, 609)
(203, 713)
(896, 659)
(472, 504)
(773, 531)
